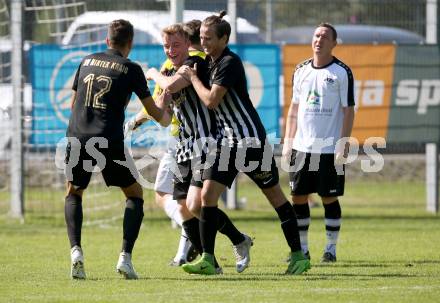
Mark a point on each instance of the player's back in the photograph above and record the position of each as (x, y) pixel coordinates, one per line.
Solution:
(104, 83)
(238, 118)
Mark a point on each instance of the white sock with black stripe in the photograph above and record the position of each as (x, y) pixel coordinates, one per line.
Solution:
(303, 218)
(332, 225)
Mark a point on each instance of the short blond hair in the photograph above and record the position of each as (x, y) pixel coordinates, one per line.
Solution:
(177, 28)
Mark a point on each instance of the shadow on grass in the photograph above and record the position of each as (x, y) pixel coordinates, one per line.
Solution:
(281, 276)
(56, 219)
(228, 278)
(362, 264)
(367, 217)
(368, 263)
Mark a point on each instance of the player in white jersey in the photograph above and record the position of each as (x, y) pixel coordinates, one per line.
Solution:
(321, 113)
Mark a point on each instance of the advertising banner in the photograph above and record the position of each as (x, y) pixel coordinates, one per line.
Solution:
(372, 67)
(53, 70)
(415, 113)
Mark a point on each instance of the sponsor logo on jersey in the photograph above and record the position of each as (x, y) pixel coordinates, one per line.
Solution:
(313, 97)
(329, 80)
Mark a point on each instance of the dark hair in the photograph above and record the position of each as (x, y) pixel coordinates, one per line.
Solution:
(193, 29)
(221, 26)
(120, 32)
(332, 29)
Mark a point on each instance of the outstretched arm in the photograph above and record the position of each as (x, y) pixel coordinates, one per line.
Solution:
(157, 111)
(142, 116)
(170, 83)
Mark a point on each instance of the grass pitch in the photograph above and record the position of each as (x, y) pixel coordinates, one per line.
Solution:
(389, 251)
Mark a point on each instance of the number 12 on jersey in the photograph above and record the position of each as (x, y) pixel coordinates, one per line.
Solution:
(107, 83)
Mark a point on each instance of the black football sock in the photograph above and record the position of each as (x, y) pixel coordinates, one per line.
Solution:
(287, 216)
(226, 227)
(192, 230)
(73, 214)
(133, 215)
(208, 228)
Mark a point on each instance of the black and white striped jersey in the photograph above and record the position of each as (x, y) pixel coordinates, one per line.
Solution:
(196, 121)
(237, 119)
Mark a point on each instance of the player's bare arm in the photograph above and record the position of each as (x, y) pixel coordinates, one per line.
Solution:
(210, 97)
(156, 111)
(290, 132)
(172, 84)
(347, 126)
(163, 100)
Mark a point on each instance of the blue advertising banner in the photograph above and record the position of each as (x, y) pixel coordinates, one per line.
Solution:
(53, 70)
(262, 66)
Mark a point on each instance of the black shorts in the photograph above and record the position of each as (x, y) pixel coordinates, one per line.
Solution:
(190, 174)
(258, 163)
(80, 164)
(320, 176)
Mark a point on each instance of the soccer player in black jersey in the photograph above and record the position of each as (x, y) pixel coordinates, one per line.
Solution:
(242, 137)
(102, 88)
(196, 127)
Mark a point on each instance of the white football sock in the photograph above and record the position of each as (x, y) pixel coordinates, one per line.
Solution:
(171, 208)
(184, 245)
(332, 235)
(303, 225)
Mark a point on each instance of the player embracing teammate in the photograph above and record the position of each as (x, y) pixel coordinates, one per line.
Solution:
(241, 137)
(211, 151)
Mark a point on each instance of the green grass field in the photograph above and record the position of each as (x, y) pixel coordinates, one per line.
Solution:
(389, 251)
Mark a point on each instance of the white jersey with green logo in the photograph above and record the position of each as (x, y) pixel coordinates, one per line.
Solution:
(321, 94)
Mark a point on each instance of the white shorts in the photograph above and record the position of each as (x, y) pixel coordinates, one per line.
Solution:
(165, 173)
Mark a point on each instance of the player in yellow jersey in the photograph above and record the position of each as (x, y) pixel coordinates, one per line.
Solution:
(164, 179)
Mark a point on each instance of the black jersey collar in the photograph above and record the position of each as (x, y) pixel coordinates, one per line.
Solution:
(224, 53)
(321, 67)
(112, 51)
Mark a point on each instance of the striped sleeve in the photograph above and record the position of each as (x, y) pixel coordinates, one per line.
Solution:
(346, 86)
(295, 88)
(295, 80)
